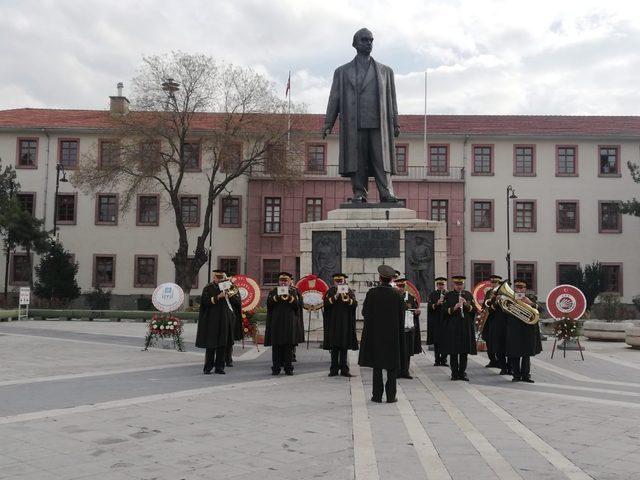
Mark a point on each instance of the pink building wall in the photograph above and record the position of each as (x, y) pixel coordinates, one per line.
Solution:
(285, 246)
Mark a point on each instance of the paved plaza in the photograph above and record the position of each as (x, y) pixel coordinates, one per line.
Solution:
(80, 400)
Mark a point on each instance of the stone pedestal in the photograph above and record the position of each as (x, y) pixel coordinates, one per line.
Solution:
(356, 240)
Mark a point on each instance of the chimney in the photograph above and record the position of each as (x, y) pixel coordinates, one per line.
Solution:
(119, 105)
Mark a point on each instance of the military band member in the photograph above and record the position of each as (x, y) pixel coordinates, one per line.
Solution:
(383, 312)
(435, 320)
(523, 340)
(487, 333)
(459, 332)
(496, 336)
(216, 321)
(339, 319)
(282, 329)
(410, 340)
(237, 326)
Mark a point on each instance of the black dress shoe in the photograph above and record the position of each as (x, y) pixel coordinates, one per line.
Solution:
(389, 199)
(444, 364)
(407, 376)
(516, 378)
(206, 372)
(455, 377)
(464, 377)
(229, 364)
(219, 371)
(275, 372)
(392, 400)
(346, 374)
(333, 374)
(288, 372)
(528, 379)
(376, 400)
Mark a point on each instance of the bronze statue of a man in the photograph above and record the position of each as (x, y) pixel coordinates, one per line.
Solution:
(363, 93)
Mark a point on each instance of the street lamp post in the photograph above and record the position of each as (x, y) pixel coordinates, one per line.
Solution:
(511, 194)
(59, 168)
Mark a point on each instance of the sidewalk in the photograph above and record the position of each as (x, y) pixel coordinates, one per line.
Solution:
(80, 400)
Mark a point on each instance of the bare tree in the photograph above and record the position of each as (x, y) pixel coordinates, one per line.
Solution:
(171, 129)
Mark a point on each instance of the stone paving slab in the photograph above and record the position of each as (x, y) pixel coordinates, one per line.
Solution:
(78, 402)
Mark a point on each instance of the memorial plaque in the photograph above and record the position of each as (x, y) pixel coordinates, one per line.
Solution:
(419, 259)
(373, 243)
(326, 254)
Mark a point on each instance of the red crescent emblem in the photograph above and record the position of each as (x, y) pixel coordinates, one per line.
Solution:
(249, 291)
(312, 289)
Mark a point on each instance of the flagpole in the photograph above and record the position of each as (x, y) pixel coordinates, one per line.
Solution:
(289, 112)
(426, 159)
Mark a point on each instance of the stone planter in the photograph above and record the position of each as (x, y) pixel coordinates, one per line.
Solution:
(607, 331)
(632, 336)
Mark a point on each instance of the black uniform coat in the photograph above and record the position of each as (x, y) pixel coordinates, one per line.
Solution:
(383, 312)
(300, 313)
(236, 303)
(496, 333)
(283, 315)
(411, 345)
(459, 334)
(523, 340)
(216, 321)
(339, 320)
(435, 318)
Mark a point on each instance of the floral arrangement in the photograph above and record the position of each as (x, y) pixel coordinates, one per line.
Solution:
(566, 329)
(164, 326)
(249, 326)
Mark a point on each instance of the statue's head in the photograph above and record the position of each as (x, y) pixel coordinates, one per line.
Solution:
(363, 41)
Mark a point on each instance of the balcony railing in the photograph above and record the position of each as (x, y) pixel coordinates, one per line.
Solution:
(412, 173)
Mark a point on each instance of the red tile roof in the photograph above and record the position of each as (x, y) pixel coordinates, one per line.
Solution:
(29, 118)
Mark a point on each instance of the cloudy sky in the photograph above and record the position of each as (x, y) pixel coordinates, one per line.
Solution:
(482, 56)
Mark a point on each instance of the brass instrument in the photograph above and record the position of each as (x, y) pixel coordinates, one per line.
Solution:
(484, 312)
(507, 301)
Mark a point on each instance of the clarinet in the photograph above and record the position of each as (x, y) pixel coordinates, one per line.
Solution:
(461, 306)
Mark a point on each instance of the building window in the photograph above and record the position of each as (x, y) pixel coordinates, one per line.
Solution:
(440, 211)
(524, 163)
(566, 160)
(482, 159)
(482, 212)
(402, 159)
(272, 214)
(438, 159)
(567, 273)
(107, 209)
(567, 216)
(190, 210)
(108, 153)
(316, 155)
(66, 209)
(191, 156)
(610, 217)
(313, 210)
(145, 271)
(527, 272)
(27, 202)
(609, 159)
(231, 265)
(230, 215)
(27, 153)
(20, 272)
(481, 271)
(68, 153)
(524, 216)
(231, 157)
(148, 209)
(613, 278)
(270, 271)
(104, 270)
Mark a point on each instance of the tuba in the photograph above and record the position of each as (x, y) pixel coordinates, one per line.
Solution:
(506, 299)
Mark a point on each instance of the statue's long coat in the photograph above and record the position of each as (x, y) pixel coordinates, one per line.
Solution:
(343, 101)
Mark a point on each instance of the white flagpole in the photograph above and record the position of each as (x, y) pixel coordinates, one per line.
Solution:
(289, 112)
(426, 159)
